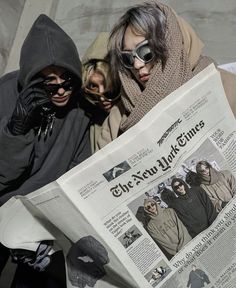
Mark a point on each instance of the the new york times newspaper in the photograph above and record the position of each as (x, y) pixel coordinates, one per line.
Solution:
(154, 208)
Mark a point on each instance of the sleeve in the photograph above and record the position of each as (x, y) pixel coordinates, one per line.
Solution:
(231, 182)
(207, 203)
(15, 155)
(189, 280)
(183, 234)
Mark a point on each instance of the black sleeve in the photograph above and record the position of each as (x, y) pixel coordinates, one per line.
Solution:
(209, 207)
(15, 151)
(15, 156)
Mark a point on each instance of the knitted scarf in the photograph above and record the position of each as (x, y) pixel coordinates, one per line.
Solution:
(162, 82)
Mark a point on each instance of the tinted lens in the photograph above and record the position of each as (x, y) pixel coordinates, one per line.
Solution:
(127, 59)
(53, 88)
(145, 53)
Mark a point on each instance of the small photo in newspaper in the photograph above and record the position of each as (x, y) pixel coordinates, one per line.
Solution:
(130, 236)
(158, 273)
(116, 171)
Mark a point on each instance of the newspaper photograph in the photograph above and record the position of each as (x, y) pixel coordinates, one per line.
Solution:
(154, 208)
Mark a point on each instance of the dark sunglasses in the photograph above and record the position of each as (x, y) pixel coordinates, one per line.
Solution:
(150, 206)
(96, 97)
(142, 51)
(178, 186)
(68, 84)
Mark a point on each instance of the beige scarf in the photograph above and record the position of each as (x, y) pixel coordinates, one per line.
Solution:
(180, 39)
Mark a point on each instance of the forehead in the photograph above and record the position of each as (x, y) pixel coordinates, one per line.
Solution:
(176, 183)
(53, 71)
(131, 38)
(96, 77)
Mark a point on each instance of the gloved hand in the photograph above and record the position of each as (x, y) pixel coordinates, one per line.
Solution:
(31, 98)
(38, 260)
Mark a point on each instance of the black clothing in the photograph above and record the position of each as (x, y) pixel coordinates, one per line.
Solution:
(194, 209)
(197, 279)
(29, 161)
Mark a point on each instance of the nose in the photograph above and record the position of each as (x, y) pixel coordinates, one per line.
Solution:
(101, 89)
(138, 64)
(61, 90)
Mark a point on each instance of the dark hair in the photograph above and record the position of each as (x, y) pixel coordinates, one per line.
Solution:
(146, 19)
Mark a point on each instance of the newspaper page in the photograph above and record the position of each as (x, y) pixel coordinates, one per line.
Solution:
(122, 200)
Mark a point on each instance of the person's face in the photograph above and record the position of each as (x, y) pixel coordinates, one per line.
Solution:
(204, 170)
(60, 95)
(97, 84)
(151, 207)
(140, 70)
(194, 268)
(179, 187)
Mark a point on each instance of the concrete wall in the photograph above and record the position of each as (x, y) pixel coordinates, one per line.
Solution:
(214, 21)
(10, 13)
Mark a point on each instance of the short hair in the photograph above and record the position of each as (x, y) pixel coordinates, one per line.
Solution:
(146, 19)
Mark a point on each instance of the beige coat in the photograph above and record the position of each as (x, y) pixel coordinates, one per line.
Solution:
(193, 46)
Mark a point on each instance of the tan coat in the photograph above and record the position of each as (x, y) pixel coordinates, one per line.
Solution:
(193, 46)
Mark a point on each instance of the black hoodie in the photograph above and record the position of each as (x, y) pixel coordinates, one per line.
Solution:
(27, 162)
(194, 209)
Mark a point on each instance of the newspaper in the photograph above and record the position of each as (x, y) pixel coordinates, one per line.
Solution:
(95, 212)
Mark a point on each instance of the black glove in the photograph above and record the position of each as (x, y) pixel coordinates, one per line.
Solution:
(38, 260)
(31, 98)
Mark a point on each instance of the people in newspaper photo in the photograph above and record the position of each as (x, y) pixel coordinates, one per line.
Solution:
(220, 186)
(197, 278)
(165, 227)
(192, 205)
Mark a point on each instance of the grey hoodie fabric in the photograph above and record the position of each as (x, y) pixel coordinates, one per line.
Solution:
(27, 162)
(166, 228)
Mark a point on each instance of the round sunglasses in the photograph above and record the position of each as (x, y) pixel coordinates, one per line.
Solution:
(142, 51)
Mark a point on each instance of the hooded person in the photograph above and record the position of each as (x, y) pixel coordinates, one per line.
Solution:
(193, 207)
(165, 228)
(220, 186)
(153, 52)
(99, 92)
(43, 131)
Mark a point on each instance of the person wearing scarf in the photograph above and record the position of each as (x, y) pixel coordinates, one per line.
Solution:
(193, 207)
(165, 228)
(220, 186)
(176, 58)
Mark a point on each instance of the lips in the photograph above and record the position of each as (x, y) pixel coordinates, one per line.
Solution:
(60, 99)
(144, 77)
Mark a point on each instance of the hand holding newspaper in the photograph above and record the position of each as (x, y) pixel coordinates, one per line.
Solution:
(122, 208)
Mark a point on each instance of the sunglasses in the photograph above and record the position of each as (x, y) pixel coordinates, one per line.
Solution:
(150, 206)
(96, 97)
(142, 51)
(67, 85)
(178, 186)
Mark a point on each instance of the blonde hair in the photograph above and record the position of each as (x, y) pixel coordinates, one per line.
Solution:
(99, 66)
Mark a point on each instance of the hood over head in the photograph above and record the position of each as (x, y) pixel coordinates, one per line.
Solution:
(180, 181)
(98, 48)
(47, 44)
(148, 202)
